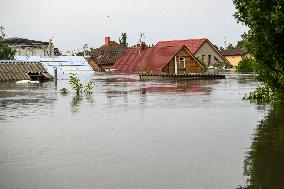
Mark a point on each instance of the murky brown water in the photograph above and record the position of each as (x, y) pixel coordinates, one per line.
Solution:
(129, 134)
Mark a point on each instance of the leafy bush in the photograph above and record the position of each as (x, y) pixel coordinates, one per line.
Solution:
(89, 87)
(78, 87)
(263, 94)
(76, 84)
(246, 65)
(6, 53)
(64, 91)
(219, 65)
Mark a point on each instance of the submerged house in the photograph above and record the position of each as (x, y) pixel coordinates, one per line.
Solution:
(168, 59)
(235, 56)
(11, 70)
(202, 49)
(105, 57)
(27, 47)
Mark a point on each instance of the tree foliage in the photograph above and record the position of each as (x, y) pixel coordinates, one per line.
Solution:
(6, 53)
(265, 39)
(123, 39)
(246, 65)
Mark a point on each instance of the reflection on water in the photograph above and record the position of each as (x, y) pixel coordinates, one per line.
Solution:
(264, 164)
(17, 101)
(76, 102)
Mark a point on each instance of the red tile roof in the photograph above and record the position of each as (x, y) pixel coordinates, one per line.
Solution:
(192, 44)
(151, 59)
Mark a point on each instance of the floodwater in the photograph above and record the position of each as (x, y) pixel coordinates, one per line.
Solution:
(128, 134)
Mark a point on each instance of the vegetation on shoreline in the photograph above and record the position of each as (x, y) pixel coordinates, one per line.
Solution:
(246, 65)
(265, 41)
(6, 53)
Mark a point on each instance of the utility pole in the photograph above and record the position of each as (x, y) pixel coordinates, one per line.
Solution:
(50, 47)
(84, 49)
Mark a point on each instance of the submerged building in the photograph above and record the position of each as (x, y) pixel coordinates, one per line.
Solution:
(202, 49)
(159, 59)
(105, 57)
(26, 47)
(64, 64)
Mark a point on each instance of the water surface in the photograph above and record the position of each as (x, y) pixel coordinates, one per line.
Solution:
(128, 134)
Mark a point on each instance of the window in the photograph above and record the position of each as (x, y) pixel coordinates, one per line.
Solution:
(182, 62)
(203, 59)
(209, 60)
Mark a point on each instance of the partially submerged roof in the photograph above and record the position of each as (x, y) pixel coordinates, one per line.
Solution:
(108, 54)
(17, 70)
(150, 59)
(64, 63)
(192, 44)
(234, 52)
(15, 40)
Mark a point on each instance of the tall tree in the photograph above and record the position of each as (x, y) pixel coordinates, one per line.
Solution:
(6, 53)
(265, 38)
(123, 39)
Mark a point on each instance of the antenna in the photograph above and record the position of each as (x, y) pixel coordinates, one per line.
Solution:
(225, 42)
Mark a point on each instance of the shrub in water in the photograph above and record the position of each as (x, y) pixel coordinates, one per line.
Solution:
(64, 91)
(76, 84)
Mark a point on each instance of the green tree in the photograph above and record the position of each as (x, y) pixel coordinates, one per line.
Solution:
(123, 39)
(6, 53)
(243, 43)
(230, 46)
(265, 39)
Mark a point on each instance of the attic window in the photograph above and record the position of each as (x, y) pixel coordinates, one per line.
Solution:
(182, 62)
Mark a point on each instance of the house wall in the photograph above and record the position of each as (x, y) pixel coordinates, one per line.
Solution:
(191, 65)
(38, 50)
(234, 60)
(206, 49)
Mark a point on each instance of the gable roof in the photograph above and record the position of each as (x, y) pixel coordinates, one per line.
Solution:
(108, 54)
(151, 59)
(192, 44)
(234, 52)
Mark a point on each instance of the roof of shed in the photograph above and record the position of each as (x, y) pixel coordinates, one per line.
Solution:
(10, 71)
(234, 52)
(108, 54)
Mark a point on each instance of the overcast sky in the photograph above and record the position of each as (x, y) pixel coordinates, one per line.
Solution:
(73, 23)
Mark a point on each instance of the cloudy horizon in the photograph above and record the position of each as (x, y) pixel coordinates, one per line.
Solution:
(73, 23)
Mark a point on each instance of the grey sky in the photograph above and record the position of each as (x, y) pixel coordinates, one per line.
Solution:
(74, 23)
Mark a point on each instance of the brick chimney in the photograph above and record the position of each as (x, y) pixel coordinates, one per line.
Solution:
(107, 40)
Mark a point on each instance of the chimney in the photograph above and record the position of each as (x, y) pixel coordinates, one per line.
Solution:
(107, 40)
(143, 46)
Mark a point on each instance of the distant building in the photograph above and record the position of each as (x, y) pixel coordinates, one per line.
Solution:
(106, 56)
(202, 49)
(26, 47)
(159, 59)
(235, 56)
